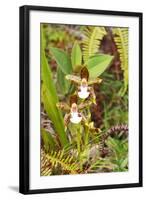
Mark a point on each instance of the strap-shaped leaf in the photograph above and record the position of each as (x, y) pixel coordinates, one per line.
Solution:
(63, 60)
(50, 98)
(98, 64)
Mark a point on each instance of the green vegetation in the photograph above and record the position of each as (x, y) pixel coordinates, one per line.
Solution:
(84, 99)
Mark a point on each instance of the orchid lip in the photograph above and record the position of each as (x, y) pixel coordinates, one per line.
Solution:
(75, 118)
(83, 94)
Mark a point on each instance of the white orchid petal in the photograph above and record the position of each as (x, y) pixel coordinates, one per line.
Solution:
(75, 118)
(83, 94)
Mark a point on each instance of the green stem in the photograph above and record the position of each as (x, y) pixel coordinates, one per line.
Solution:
(76, 133)
(86, 136)
(78, 138)
(86, 141)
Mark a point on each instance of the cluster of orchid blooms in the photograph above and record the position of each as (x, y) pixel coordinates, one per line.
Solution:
(84, 94)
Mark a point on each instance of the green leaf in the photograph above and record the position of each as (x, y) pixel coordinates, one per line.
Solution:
(98, 64)
(92, 41)
(50, 98)
(48, 140)
(124, 162)
(76, 56)
(63, 60)
(121, 40)
(62, 83)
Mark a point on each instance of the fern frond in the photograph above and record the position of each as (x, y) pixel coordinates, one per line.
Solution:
(101, 164)
(121, 40)
(45, 165)
(66, 162)
(91, 43)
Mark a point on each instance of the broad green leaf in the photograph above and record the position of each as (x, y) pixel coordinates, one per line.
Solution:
(48, 140)
(98, 64)
(50, 98)
(76, 56)
(62, 83)
(63, 60)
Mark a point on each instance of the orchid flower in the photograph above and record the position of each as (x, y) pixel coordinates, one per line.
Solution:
(75, 115)
(73, 111)
(83, 89)
(84, 83)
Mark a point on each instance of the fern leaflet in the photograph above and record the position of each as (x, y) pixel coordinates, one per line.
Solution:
(91, 43)
(65, 161)
(45, 165)
(121, 40)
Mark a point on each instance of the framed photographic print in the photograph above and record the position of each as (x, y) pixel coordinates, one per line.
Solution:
(80, 99)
